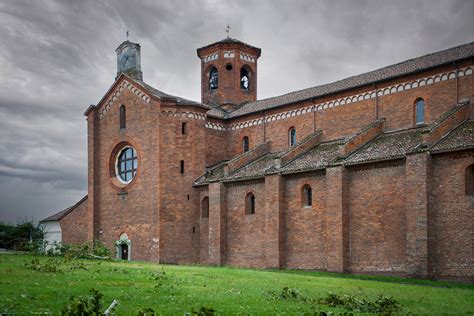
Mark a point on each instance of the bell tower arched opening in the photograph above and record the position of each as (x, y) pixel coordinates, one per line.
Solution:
(228, 73)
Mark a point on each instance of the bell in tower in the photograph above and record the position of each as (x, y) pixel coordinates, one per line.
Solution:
(228, 73)
(128, 60)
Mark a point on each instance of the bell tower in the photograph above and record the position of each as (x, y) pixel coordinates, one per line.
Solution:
(129, 60)
(228, 73)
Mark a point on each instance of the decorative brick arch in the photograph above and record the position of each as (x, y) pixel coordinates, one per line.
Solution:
(120, 243)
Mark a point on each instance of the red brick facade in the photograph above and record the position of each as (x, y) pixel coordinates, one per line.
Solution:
(388, 197)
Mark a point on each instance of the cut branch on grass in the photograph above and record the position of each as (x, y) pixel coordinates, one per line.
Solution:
(111, 307)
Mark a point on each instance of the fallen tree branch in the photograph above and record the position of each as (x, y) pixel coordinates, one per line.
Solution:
(99, 257)
(111, 307)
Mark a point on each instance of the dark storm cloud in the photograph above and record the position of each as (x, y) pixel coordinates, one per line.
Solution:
(57, 57)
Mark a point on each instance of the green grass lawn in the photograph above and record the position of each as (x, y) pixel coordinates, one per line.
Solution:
(176, 290)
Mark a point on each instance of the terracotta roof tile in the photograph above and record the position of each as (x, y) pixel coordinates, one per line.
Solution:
(410, 66)
(254, 169)
(319, 157)
(212, 174)
(388, 146)
(216, 112)
(162, 95)
(460, 138)
(229, 40)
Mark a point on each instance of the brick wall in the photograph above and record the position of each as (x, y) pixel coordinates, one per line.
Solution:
(179, 203)
(305, 226)
(75, 225)
(377, 219)
(117, 209)
(203, 230)
(451, 218)
(245, 233)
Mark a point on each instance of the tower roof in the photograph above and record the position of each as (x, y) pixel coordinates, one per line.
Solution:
(126, 43)
(229, 41)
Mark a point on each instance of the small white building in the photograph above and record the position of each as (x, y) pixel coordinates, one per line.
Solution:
(54, 223)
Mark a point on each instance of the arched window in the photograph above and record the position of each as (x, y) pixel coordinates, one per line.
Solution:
(205, 207)
(292, 136)
(307, 196)
(213, 79)
(419, 111)
(250, 203)
(244, 79)
(469, 180)
(245, 144)
(122, 116)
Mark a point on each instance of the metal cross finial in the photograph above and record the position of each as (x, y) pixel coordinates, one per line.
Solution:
(227, 30)
(127, 34)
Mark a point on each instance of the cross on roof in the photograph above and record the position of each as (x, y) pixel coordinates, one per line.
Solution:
(127, 34)
(227, 30)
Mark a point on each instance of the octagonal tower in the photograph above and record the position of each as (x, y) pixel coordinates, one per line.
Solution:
(228, 73)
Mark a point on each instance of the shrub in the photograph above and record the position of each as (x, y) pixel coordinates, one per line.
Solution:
(382, 304)
(86, 250)
(84, 305)
(51, 266)
(288, 293)
(146, 312)
(204, 311)
(22, 236)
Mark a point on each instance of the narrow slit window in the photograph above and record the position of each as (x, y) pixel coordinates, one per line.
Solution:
(183, 128)
(205, 207)
(245, 144)
(250, 204)
(307, 196)
(181, 165)
(122, 116)
(292, 136)
(469, 180)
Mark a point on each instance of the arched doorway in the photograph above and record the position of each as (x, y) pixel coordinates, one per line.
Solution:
(123, 247)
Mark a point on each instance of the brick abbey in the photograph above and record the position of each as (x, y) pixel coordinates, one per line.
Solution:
(370, 174)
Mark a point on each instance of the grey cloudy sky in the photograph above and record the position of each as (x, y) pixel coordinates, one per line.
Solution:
(57, 57)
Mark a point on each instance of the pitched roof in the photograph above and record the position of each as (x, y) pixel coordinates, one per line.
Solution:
(217, 112)
(58, 216)
(254, 169)
(414, 65)
(387, 146)
(229, 40)
(319, 157)
(153, 91)
(212, 174)
(165, 96)
(460, 138)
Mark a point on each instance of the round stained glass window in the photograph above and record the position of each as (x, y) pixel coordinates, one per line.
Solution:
(127, 164)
